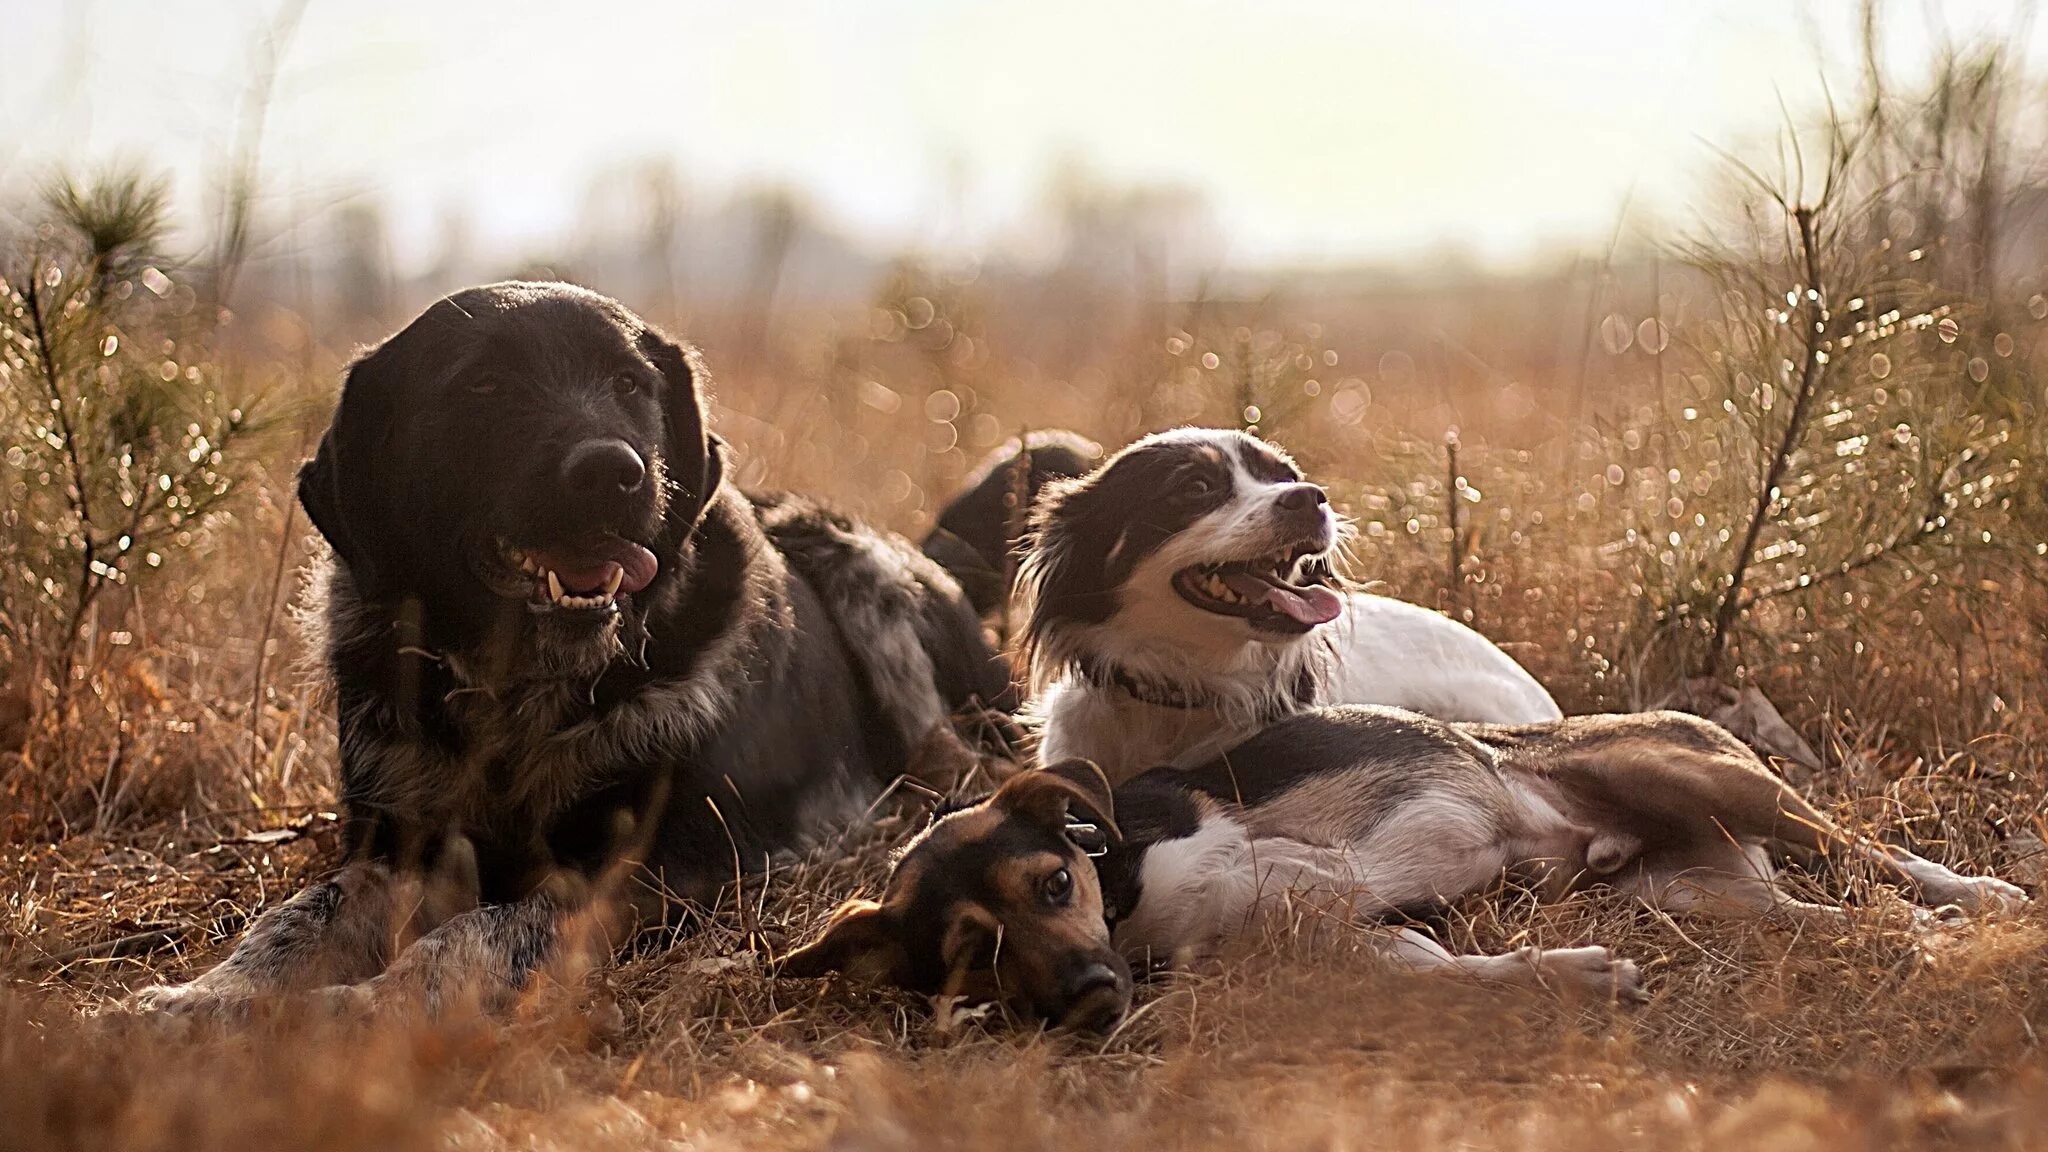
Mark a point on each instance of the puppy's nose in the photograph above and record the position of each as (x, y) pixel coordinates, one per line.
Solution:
(1095, 995)
(1090, 979)
(603, 468)
(1301, 497)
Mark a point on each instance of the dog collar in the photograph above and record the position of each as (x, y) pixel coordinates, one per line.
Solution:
(1166, 696)
(1151, 692)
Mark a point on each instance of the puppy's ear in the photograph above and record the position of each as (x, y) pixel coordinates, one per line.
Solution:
(1066, 792)
(860, 940)
(339, 486)
(694, 456)
(970, 940)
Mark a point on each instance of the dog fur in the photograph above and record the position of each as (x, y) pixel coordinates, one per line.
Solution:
(559, 640)
(979, 532)
(1049, 892)
(1128, 670)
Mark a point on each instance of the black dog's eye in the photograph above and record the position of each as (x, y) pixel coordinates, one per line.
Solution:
(481, 386)
(625, 384)
(1057, 887)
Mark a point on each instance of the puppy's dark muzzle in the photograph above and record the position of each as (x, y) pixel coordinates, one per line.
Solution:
(1095, 996)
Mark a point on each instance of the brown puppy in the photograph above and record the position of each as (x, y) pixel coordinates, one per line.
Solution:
(1041, 895)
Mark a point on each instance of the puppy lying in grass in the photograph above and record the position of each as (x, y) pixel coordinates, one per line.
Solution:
(1045, 894)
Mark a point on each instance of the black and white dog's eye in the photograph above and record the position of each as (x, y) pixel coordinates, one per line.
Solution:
(1197, 486)
(1057, 887)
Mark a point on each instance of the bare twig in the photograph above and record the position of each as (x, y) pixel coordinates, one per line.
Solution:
(1810, 372)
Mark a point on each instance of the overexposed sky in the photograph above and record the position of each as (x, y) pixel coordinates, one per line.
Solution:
(1320, 130)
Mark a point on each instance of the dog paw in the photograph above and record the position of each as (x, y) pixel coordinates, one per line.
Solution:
(1592, 969)
(195, 1001)
(1983, 894)
(346, 1001)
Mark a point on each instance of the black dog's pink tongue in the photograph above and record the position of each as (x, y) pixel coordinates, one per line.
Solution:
(639, 563)
(588, 570)
(1308, 604)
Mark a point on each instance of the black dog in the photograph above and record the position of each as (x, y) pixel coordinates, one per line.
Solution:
(559, 639)
(981, 528)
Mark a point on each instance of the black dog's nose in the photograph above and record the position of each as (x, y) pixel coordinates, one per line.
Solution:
(1300, 497)
(603, 468)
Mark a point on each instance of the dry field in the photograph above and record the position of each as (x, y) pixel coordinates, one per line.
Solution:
(166, 764)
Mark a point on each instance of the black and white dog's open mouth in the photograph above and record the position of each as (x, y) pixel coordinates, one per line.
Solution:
(1282, 592)
(587, 576)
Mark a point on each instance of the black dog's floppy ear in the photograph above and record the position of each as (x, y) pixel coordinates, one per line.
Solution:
(339, 487)
(694, 456)
(859, 940)
(1062, 795)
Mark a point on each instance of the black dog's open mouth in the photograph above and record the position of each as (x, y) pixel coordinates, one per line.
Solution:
(1278, 593)
(588, 575)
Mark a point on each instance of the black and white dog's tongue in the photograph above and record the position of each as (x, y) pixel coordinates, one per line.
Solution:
(1307, 604)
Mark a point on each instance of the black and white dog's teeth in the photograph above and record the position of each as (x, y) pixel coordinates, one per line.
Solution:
(1213, 585)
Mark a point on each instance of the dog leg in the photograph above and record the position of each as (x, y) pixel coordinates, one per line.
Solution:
(1936, 884)
(485, 959)
(344, 929)
(1725, 882)
(1678, 772)
(338, 930)
(1591, 970)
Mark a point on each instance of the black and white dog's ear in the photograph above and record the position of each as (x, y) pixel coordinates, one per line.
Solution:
(339, 486)
(695, 457)
(1061, 572)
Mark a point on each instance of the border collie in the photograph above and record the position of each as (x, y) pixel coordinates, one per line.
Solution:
(1182, 595)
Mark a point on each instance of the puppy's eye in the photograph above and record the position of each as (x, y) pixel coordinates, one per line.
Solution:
(1197, 486)
(481, 386)
(625, 385)
(1057, 888)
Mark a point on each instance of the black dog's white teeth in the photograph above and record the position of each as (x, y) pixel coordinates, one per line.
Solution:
(562, 598)
(518, 559)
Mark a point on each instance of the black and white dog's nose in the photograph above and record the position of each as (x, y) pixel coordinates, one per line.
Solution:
(599, 468)
(1301, 497)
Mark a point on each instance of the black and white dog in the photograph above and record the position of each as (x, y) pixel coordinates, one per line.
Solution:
(558, 638)
(1045, 894)
(1181, 597)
